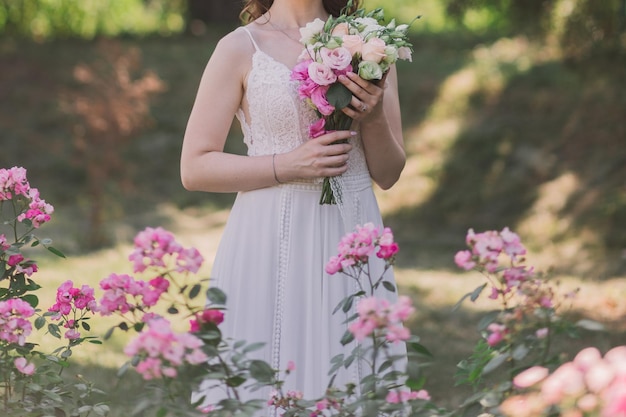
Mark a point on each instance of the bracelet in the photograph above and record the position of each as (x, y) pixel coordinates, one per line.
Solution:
(274, 169)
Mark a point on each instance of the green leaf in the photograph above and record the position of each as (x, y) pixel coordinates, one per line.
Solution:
(389, 286)
(495, 363)
(53, 329)
(347, 338)
(40, 322)
(520, 352)
(216, 296)
(348, 304)
(261, 371)
(339, 96)
(56, 252)
(195, 290)
(85, 325)
(253, 346)
(109, 333)
(419, 348)
(172, 310)
(235, 381)
(472, 295)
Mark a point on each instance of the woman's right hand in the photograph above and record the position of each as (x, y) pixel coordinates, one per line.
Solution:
(318, 157)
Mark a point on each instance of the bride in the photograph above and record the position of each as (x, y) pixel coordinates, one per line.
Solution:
(278, 238)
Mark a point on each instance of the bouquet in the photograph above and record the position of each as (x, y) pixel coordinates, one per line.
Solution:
(357, 42)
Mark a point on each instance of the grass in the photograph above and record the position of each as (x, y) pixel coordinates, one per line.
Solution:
(449, 334)
(499, 132)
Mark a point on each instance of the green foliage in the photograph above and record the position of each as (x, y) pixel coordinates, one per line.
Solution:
(45, 19)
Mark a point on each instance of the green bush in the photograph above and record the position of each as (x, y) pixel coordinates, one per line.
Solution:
(45, 19)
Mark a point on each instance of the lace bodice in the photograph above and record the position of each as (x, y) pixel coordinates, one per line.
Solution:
(278, 119)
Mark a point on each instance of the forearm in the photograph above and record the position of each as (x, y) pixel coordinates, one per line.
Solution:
(384, 152)
(223, 172)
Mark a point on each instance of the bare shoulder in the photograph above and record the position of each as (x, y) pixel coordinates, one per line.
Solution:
(236, 47)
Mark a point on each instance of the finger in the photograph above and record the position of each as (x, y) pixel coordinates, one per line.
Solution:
(370, 87)
(331, 137)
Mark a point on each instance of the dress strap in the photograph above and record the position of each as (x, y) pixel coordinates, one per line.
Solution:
(256, 47)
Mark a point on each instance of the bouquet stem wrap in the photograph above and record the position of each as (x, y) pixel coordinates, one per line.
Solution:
(331, 191)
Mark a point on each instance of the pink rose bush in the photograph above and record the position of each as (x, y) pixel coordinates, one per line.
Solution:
(392, 386)
(589, 385)
(356, 43)
(160, 351)
(519, 335)
(27, 375)
(72, 307)
(15, 325)
(355, 249)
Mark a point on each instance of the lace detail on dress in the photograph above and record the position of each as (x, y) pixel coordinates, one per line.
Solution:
(279, 120)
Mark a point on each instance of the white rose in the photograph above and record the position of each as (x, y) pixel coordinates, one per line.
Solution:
(405, 53)
(402, 28)
(308, 33)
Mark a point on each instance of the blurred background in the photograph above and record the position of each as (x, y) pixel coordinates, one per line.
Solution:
(514, 115)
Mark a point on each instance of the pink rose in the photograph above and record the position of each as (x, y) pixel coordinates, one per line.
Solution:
(317, 128)
(464, 260)
(374, 50)
(530, 377)
(337, 59)
(22, 365)
(321, 74)
(318, 97)
(306, 88)
(213, 316)
(353, 43)
(301, 71)
(334, 265)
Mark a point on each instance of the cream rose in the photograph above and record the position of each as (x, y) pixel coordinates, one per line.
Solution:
(342, 29)
(307, 33)
(353, 43)
(373, 50)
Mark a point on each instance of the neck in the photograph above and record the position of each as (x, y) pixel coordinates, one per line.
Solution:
(296, 13)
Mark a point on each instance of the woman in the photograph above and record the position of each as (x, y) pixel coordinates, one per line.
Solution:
(278, 238)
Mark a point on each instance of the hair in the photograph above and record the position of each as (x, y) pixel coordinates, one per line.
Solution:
(253, 9)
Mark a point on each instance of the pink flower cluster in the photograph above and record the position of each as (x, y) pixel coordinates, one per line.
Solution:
(316, 78)
(377, 314)
(118, 288)
(324, 404)
(154, 245)
(395, 397)
(161, 351)
(277, 399)
(210, 315)
(590, 385)
(13, 183)
(342, 45)
(356, 247)
(14, 320)
(486, 248)
(78, 301)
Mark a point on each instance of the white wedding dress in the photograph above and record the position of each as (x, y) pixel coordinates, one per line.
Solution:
(277, 241)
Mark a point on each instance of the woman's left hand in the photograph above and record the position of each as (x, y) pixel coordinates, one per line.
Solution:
(367, 97)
